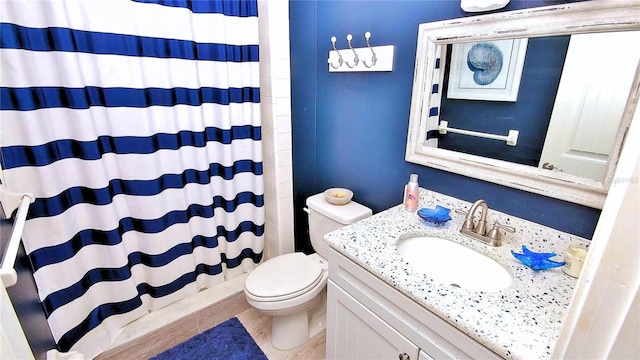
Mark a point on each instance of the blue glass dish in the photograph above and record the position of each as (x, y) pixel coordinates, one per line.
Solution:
(435, 217)
(537, 261)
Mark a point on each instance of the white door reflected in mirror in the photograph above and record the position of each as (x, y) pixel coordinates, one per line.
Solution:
(590, 102)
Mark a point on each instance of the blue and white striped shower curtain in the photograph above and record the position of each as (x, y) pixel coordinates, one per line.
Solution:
(435, 99)
(136, 124)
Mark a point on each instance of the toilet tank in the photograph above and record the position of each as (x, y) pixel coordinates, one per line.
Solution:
(325, 217)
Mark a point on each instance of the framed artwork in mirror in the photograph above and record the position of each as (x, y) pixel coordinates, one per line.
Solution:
(487, 70)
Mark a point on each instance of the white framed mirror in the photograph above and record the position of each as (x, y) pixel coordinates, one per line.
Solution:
(437, 41)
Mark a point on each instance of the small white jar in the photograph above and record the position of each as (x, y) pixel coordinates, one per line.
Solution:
(574, 259)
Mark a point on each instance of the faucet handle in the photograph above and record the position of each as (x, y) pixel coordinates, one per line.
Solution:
(468, 222)
(494, 233)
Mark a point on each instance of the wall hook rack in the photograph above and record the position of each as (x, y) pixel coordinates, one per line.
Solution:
(369, 58)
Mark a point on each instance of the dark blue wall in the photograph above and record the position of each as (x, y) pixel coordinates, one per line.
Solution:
(350, 129)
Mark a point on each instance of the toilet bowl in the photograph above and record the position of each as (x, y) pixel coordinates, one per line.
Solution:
(293, 294)
(292, 287)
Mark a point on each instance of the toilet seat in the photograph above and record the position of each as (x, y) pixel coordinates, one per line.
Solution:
(283, 277)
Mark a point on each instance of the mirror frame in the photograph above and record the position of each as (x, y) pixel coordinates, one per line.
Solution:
(565, 19)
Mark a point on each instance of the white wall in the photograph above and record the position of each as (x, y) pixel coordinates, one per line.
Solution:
(602, 321)
(275, 90)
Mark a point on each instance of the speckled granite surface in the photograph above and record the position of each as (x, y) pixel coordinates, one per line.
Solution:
(519, 322)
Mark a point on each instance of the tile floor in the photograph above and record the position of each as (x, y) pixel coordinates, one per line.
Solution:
(259, 326)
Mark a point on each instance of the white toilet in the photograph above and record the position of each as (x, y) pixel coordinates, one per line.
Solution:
(292, 287)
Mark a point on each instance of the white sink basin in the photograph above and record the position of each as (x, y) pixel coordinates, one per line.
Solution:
(453, 264)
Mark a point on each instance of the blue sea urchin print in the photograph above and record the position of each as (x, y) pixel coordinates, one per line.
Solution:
(485, 61)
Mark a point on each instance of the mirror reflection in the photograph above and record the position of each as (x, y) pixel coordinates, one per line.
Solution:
(564, 95)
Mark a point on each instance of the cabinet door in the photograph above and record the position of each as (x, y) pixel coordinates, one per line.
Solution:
(354, 332)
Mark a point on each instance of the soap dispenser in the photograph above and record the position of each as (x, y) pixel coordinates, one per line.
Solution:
(411, 193)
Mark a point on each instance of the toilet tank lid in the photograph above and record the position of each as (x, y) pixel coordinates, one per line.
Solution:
(344, 214)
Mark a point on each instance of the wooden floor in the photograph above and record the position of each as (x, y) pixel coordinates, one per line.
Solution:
(259, 326)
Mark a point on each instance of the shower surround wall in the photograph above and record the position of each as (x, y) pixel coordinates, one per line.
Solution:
(275, 90)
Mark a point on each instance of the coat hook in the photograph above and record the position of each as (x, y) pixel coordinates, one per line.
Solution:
(340, 60)
(374, 58)
(355, 54)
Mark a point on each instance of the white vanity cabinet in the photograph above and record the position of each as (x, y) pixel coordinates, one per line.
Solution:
(360, 334)
(369, 319)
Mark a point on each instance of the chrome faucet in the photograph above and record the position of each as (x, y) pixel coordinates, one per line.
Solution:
(478, 230)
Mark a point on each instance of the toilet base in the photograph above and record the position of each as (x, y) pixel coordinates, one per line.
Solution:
(292, 330)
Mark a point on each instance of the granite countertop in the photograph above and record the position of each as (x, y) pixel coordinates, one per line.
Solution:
(521, 321)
